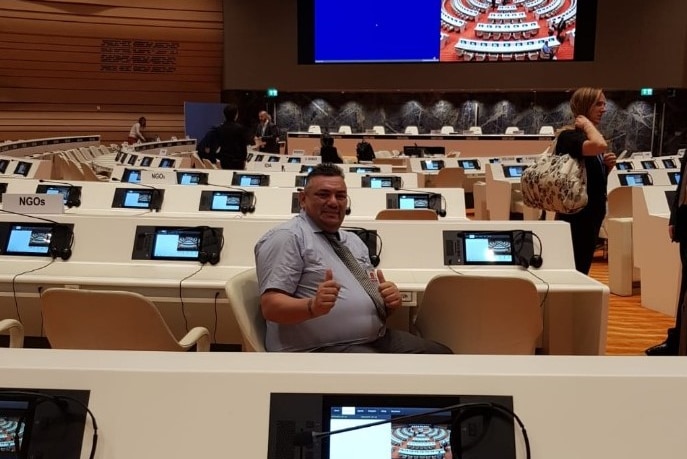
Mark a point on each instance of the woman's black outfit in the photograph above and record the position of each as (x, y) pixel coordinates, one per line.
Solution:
(330, 155)
(678, 219)
(585, 224)
(233, 149)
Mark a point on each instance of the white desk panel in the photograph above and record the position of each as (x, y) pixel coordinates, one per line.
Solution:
(221, 401)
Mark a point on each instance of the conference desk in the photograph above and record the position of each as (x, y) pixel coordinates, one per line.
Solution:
(507, 16)
(517, 46)
(23, 148)
(183, 405)
(574, 306)
(466, 144)
(502, 28)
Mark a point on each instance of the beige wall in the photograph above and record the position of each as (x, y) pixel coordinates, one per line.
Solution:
(639, 43)
(54, 74)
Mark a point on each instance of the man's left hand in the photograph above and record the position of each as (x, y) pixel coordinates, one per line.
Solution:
(389, 292)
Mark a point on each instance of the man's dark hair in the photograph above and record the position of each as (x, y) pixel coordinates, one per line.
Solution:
(325, 170)
(327, 140)
(230, 112)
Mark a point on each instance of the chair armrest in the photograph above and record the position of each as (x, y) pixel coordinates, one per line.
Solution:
(16, 330)
(200, 336)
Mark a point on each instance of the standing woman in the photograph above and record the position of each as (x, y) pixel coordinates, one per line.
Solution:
(585, 142)
(135, 133)
(677, 231)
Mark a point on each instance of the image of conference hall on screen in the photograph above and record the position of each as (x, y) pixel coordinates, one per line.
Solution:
(507, 30)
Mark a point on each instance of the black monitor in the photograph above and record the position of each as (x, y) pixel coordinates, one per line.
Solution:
(635, 179)
(469, 164)
(513, 170)
(294, 159)
(131, 176)
(71, 194)
(487, 247)
(35, 239)
(649, 164)
(670, 197)
(3, 165)
(624, 166)
(22, 168)
(3, 189)
(226, 200)
(132, 160)
(365, 169)
(167, 162)
(428, 434)
(259, 158)
(411, 200)
(674, 177)
(138, 198)
(192, 178)
(381, 181)
(177, 243)
(423, 150)
(307, 168)
(432, 164)
(273, 159)
(242, 179)
(669, 163)
(146, 161)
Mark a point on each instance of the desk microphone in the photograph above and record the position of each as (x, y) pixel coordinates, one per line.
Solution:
(61, 237)
(155, 198)
(460, 413)
(248, 198)
(441, 211)
(73, 198)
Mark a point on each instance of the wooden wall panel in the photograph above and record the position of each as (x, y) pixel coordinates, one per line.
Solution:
(95, 66)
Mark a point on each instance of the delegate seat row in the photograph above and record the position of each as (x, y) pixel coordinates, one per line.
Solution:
(183, 267)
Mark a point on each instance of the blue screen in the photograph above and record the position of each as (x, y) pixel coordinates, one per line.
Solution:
(137, 199)
(176, 244)
(28, 239)
(222, 200)
(377, 31)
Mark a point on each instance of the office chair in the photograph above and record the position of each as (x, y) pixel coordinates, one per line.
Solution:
(447, 130)
(244, 299)
(111, 320)
(412, 130)
(546, 130)
(314, 129)
(343, 129)
(16, 331)
(406, 214)
(512, 130)
(450, 177)
(481, 314)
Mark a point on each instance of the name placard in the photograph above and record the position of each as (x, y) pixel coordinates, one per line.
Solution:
(33, 203)
(158, 177)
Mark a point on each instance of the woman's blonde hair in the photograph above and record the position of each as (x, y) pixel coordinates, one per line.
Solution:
(583, 100)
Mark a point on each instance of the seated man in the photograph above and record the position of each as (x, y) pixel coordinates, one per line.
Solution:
(319, 290)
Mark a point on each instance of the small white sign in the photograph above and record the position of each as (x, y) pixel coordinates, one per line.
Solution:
(33, 203)
(157, 177)
(163, 152)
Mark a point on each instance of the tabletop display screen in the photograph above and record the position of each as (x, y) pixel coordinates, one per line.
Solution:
(674, 177)
(365, 169)
(637, 179)
(3, 165)
(223, 201)
(132, 160)
(250, 180)
(166, 162)
(131, 176)
(22, 168)
(176, 244)
(669, 163)
(513, 170)
(192, 178)
(146, 161)
(624, 166)
(29, 239)
(469, 164)
(432, 164)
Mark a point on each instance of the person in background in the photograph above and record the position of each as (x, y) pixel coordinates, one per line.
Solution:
(135, 133)
(233, 145)
(267, 134)
(328, 152)
(677, 232)
(319, 292)
(584, 142)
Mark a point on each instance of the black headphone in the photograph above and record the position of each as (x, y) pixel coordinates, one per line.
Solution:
(248, 202)
(348, 205)
(441, 211)
(521, 239)
(74, 197)
(61, 241)
(364, 235)
(212, 243)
